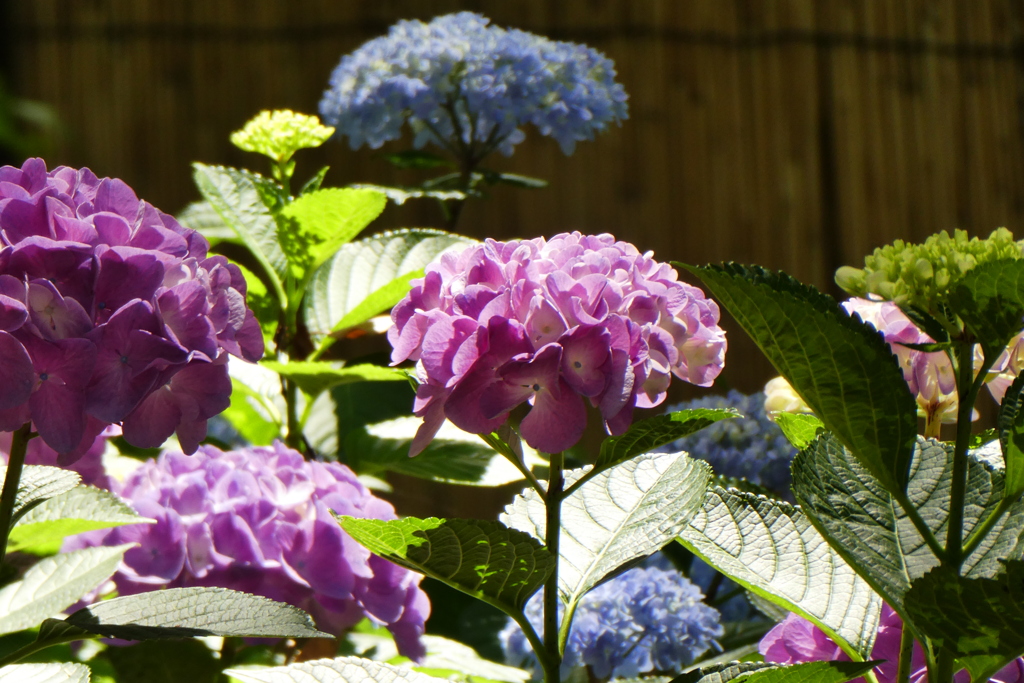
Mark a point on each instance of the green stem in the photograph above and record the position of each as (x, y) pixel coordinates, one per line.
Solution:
(922, 527)
(945, 667)
(15, 463)
(906, 656)
(553, 520)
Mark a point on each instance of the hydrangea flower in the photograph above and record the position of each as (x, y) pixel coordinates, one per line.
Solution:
(260, 520)
(551, 322)
(110, 312)
(641, 621)
(279, 134)
(462, 83)
(795, 640)
(780, 397)
(750, 447)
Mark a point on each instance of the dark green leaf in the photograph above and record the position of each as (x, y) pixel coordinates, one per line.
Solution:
(187, 612)
(314, 183)
(338, 411)
(841, 367)
(514, 179)
(763, 672)
(989, 299)
(799, 428)
(933, 347)
(416, 158)
(250, 414)
(314, 377)
(646, 435)
(486, 559)
(1011, 436)
(164, 662)
(926, 323)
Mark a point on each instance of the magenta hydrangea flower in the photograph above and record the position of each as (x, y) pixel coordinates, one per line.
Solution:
(551, 323)
(111, 312)
(259, 520)
(795, 640)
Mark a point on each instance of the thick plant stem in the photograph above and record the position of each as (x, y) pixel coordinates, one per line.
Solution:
(906, 655)
(553, 500)
(945, 667)
(15, 463)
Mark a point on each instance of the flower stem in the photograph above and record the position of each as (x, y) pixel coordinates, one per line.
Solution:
(553, 501)
(15, 463)
(906, 655)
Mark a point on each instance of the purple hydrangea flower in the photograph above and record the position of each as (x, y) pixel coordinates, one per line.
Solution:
(111, 312)
(795, 640)
(551, 322)
(259, 520)
(460, 82)
(641, 621)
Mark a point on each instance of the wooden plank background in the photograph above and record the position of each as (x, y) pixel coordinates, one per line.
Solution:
(798, 134)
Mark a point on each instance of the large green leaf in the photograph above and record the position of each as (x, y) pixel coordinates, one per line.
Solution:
(444, 658)
(646, 435)
(375, 267)
(314, 377)
(165, 662)
(763, 672)
(50, 672)
(37, 484)
(187, 612)
(981, 619)
(771, 548)
(83, 508)
(262, 303)
(841, 367)
(873, 533)
(340, 670)
(55, 583)
(203, 217)
(334, 414)
(1011, 436)
(989, 299)
(317, 223)
(485, 559)
(244, 201)
(626, 512)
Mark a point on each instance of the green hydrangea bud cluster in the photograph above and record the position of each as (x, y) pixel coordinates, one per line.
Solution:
(279, 134)
(919, 275)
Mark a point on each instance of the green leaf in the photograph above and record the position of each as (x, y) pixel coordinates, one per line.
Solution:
(50, 672)
(188, 612)
(982, 438)
(372, 267)
(164, 662)
(334, 414)
(841, 367)
(400, 195)
(262, 303)
(318, 223)
(37, 484)
(871, 531)
(981, 619)
(626, 512)
(255, 418)
(514, 179)
(314, 377)
(799, 428)
(314, 183)
(453, 456)
(770, 548)
(501, 566)
(55, 583)
(763, 672)
(1011, 436)
(83, 508)
(989, 299)
(377, 302)
(203, 217)
(459, 662)
(340, 670)
(417, 158)
(646, 435)
(244, 202)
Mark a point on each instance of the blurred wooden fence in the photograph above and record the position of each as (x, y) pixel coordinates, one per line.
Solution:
(794, 133)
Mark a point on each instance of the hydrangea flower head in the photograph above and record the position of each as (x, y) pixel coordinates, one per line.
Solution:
(462, 82)
(641, 621)
(279, 134)
(260, 520)
(551, 322)
(920, 274)
(752, 447)
(110, 312)
(795, 640)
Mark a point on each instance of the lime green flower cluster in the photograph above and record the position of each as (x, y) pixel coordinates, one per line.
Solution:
(919, 275)
(279, 134)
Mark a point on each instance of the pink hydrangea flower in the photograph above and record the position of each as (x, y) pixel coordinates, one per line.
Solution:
(260, 520)
(551, 323)
(110, 312)
(795, 640)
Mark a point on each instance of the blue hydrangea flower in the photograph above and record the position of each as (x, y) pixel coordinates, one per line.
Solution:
(641, 621)
(469, 87)
(752, 447)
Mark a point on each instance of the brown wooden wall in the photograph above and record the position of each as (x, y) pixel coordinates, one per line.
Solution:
(794, 133)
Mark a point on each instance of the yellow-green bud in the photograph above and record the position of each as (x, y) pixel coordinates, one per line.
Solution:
(279, 134)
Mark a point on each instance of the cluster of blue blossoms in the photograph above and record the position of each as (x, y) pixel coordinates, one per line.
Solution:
(752, 447)
(642, 621)
(465, 85)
